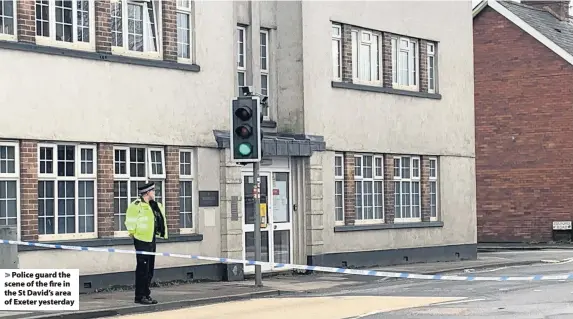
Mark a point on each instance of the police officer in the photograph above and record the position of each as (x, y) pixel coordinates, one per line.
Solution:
(145, 221)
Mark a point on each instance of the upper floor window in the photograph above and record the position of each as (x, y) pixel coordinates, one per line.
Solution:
(241, 57)
(431, 68)
(365, 56)
(7, 19)
(337, 52)
(405, 62)
(65, 23)
(135, 27)
(407, 196)
(265, 67)
(369, 188)
(67, 191)
(184, 29)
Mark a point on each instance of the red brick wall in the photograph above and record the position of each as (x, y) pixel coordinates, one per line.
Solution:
(169, 30)
(172, 188)
(103, 26)
(105, 218)
(29, 190)
(349, 189)
(26, 15)
(389, 212)
(524, 133)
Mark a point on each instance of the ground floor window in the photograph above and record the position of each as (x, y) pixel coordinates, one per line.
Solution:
(67, 190)
(133, 167)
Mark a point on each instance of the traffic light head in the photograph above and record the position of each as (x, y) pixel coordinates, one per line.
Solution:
(245, 129)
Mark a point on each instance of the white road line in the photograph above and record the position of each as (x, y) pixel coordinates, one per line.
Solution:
(457, 301)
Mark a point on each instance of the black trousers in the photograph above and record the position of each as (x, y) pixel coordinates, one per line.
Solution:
(144, 269)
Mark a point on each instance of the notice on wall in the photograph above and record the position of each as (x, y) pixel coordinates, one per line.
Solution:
(39, 289)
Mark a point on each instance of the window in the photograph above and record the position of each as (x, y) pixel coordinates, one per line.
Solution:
(241, 57)
(369, 188)
(431, 68)
(133, 167)
(186, 190)
(9, 184)
(339, 188)
(184, 29)
(265, 67)
(66, 191)
(337, 52)
(365, 56)
(135, 27)
(405, 63)
(7, 19)
(433, 189)
(407, 189)
(65, 23)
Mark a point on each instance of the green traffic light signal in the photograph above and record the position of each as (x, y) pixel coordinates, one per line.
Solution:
(245, 149)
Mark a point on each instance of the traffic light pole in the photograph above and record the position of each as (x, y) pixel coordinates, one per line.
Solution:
(257, 197)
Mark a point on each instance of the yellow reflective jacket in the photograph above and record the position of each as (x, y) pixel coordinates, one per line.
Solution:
(140, 220)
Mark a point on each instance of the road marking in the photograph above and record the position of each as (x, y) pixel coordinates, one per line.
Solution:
(287, 308)
(458, 301)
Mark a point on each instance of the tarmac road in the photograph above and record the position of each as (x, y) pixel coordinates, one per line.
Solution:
(404, 298)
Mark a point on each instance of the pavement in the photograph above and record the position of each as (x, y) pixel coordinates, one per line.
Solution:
(300, 295)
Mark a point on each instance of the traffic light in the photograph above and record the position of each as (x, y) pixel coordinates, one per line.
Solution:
(246, 135)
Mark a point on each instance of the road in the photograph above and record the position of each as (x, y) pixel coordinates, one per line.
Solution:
(403, 298)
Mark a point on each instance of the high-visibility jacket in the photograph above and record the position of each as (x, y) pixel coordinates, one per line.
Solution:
(140, 220)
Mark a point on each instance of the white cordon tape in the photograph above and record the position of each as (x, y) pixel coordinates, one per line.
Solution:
(373, 273)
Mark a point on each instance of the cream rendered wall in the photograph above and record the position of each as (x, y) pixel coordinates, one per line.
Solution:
(457, 210)
(365, 121)
(61, 98)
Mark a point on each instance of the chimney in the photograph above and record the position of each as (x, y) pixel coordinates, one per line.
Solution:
(558, 8)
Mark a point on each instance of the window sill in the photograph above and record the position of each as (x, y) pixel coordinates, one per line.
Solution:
(102, 242)
(98, 56)
(348, 228)
(379, 89)
(269, 124)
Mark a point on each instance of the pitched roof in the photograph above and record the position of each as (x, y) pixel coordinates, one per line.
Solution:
(555, 34)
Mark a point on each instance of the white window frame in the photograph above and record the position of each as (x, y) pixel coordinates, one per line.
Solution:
(128, 178)
(124, 50)
(339, 179)
(337, 52)
(413, 178)
(12, 37)
(187, 10)
(374, 179)
(434, 178)
(413, 50)
(241, 69)
(8, 177)
(265, 33)
(361, 38)
(431, 52)
(188, 178)
(75, 44)
(53, 177)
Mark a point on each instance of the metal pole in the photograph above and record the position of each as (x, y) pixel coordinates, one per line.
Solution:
(257, 196)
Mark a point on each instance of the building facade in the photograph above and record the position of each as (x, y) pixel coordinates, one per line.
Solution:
(369, 135)
(523, 131)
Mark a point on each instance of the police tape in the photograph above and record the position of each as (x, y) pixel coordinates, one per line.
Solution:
(373, 273)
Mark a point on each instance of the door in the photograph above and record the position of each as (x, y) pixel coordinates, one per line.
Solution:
(276, 237)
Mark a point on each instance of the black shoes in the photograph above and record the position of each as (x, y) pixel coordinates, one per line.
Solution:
(146, 301)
